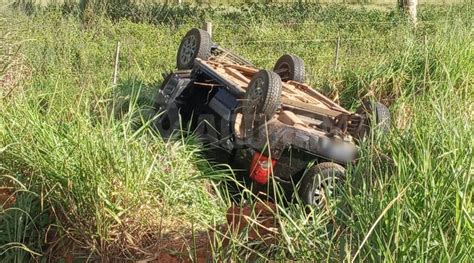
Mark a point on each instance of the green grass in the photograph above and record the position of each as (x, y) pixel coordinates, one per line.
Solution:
(85, 174)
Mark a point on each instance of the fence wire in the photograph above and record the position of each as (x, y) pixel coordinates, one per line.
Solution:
(263, 23)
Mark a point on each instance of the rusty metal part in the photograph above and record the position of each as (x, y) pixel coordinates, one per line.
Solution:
(289, 118)
(235, 73)
(316, 142)
(314, 93)
(292, 104)
(306, 120)
(220, 53)
(207, 85)
(230, 85)
(244, 69)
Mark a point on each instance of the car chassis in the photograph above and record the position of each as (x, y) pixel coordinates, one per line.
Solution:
(269, 124)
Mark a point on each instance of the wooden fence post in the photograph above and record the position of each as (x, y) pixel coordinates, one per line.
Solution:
(208, 27)
(116, 65)
(426, 71)
(410, 8)
(336, 55)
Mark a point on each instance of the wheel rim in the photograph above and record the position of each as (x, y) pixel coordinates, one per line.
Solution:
(255, 95)
(326, 188)
(253, 100)
(256, 91)
(188, 49)
(284, 69)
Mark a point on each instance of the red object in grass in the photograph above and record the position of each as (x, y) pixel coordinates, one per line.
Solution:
(261, 168)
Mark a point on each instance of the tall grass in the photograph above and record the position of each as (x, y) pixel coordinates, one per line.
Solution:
(108, 186)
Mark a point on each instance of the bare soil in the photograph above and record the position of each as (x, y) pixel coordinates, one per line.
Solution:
(257, 220)
(7, 198)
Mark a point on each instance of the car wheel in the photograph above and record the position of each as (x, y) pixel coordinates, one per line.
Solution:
(262, 99)
(374, 111)
(290, 67)
(195, 44)
(319, 182)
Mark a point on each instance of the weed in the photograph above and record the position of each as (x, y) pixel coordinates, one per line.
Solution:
(115, 188)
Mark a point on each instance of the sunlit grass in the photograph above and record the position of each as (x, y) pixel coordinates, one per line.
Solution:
(109, 186)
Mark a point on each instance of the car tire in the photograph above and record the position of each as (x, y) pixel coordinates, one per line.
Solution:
(290, 67)
(262, 99)
(374, 111)
(160, 99)
(195, 44)
(316, 181)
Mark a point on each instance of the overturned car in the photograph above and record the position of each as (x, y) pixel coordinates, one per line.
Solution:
(270, 126)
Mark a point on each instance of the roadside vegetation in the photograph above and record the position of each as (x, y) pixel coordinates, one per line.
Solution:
(76, 174)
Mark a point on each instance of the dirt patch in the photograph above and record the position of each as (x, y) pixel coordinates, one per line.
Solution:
(257, 222)
(7, 198)
(250, 224)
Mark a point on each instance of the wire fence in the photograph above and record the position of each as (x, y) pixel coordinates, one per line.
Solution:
(292, 23)
(325, 54)
(333, 38)
(328, 50)
(316, 40)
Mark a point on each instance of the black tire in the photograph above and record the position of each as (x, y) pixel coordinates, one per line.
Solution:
(166, 121)
(374, 111)
(290, 67)
(317, 179)
(262, 99)
(160, 99)
(195, 44)
(166, 124)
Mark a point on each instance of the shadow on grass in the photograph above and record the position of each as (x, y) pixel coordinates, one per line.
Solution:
(133, 101)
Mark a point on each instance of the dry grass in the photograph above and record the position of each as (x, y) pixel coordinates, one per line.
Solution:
(13, 67)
